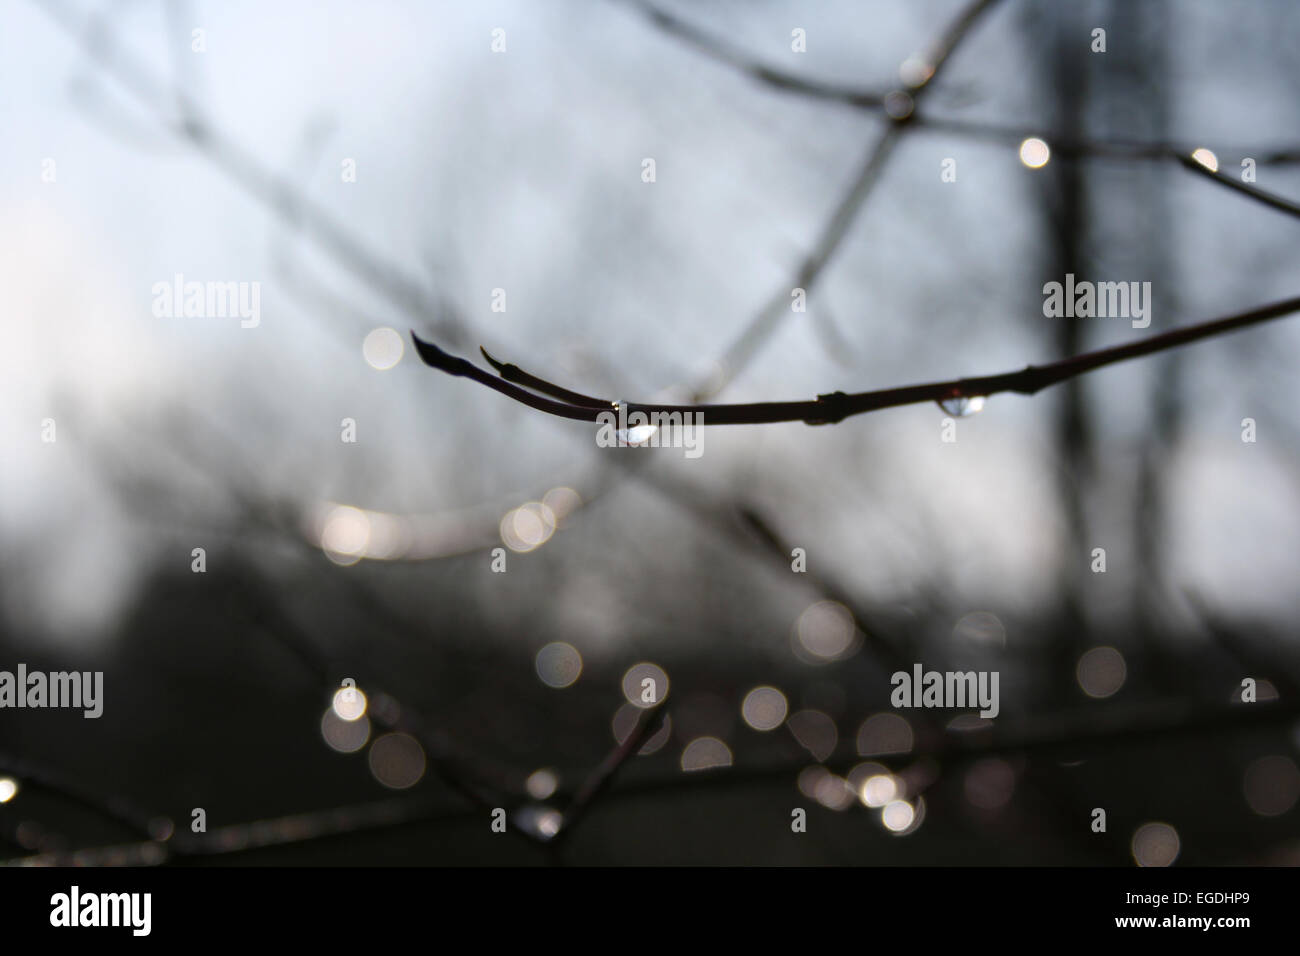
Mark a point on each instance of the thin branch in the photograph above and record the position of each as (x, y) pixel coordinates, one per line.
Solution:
(599, 780)
(836, 406)
(888, 642)
(716, 49)
(874, 100)
(513, 373)
(294, 829)
(1073, 146)
(461, 775)
(1254, 192)
(837, 348)
(109, 807)
(1053, 737)
(746, 344)
(951, 38)
(1066, 735)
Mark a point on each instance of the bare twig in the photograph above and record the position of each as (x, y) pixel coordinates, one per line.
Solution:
(716, 49)
(952, 36)
(1254, 192)
(109, 807)
(513, 373)
(294, 829)
(750, 338)
(836, 406)
(746, 344)
(462, 776)
(873, 101)
(600, 778)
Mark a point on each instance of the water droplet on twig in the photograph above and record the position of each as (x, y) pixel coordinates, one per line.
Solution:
(960, 406)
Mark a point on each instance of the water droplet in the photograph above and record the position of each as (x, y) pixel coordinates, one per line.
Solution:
(961, 406)
(1206, 158)
(636, 435)
(541, 821)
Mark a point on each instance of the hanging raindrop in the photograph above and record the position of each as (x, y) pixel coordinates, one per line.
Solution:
(635, 434)
(960, 406)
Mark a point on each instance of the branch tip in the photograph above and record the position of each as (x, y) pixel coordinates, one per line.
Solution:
(435, 357)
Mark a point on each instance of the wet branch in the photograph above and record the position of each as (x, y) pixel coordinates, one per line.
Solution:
(836, 406)
(1254, 192)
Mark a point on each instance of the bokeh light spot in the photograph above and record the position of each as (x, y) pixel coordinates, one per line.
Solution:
(345, 736)
(558, 664)
(834, 792)
(810, 778)
(815, 732)
(899, 104)
(541, 784)
(897, 815)
(878, 790)
(345, 535)
(825, 632)
(527, 527)
(1272, 785)
(764, 708)
(706, 753)
(1035, 153)
(624, 722)
(884, 734)
(397, 761)
(382, 348)
(981, 628)
(1155, 844)
(916, 70)
(349, 703)
(562, 502)
(1101, 671)
(645, 685)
